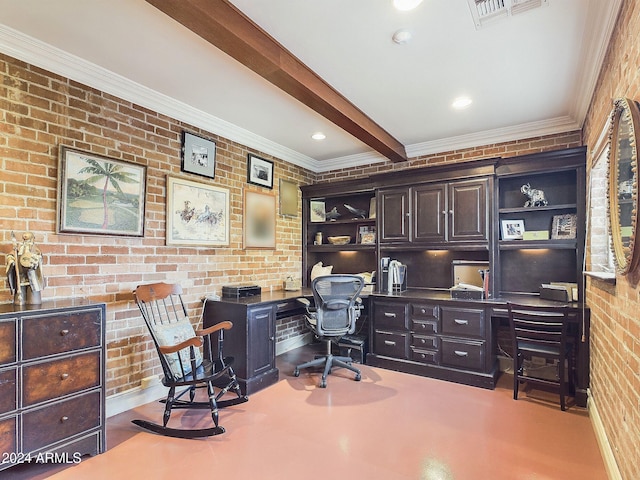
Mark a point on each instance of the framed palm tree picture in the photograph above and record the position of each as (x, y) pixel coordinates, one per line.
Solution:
(99, 195)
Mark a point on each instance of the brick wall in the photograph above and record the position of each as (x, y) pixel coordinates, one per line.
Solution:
(39, 111)
(615, 324)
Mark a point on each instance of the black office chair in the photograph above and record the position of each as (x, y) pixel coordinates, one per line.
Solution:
(190, 359)
(337, 307)
(542, 332)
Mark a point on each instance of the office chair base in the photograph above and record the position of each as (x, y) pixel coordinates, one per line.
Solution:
(177, 432)
(329, 362)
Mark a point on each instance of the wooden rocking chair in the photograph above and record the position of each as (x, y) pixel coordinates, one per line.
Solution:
(187, 358)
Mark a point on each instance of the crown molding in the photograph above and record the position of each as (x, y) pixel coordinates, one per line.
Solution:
(43, 55)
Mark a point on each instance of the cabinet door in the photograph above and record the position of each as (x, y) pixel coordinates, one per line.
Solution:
(261, 340)
(429, 213)
(468, 210)
(394, 215)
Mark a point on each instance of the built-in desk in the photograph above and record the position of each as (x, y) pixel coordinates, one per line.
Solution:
(418, 331)
(428, 333)
(252, 341)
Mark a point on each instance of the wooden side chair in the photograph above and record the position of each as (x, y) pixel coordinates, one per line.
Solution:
(541, 331)
(190, 359)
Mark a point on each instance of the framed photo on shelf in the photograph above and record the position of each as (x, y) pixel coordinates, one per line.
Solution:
(512, 229)
(564, 227)
(366, 235)
(317, 212)
(99, 195)
(197, 213)
(259, 220)
(198, 155)
(259, 171)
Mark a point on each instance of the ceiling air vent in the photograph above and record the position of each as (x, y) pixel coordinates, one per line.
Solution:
(484, 11)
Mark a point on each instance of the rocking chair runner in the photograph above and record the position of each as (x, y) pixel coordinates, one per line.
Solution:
(183, 362)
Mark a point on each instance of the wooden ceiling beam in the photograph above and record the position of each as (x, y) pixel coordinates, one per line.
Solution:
(227, 28)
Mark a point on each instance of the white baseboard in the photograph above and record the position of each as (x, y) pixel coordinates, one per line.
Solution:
(610, 463)
(121, 402)
(292, 343)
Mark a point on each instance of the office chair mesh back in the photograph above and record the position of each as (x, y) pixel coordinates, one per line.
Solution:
(335, 298)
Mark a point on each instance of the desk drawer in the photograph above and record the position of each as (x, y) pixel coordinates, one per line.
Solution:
(467, 354)
(391, 315)
(424, 341)
(62, 420)
(391, 344)
(424, 326)
(424, 311)
(65, 332)
(466, 322)
(48, 380)
(424, 356)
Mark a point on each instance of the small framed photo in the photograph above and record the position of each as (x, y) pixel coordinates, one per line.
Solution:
(317, 212)
(259, 171)
(366, 234)
(288, 198)
(198, 155)
(259, 220)
(99, 195)
(512, 229)
(564, 227)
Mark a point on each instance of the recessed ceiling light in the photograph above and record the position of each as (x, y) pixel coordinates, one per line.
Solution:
(406, 5)
(402, 36)
(461, 102)
(318, 136)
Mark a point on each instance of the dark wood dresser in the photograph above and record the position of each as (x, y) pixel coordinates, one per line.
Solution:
(52, 382)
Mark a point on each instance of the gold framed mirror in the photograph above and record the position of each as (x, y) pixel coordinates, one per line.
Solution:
(623, 183)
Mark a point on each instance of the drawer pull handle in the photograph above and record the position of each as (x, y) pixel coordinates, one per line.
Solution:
(390, 343)
(64, 332)
(64, 376)
(460, 353)
(282, 305)
(389, 314)
(260, 317)
(461, 322)
(64, 419)
(422, 310)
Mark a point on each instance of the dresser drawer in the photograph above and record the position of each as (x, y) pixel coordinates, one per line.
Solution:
(59, 421)
(391, 315)
(466, 322)
(424, 356)
(65, 332)
(462, 354)
(391, 344)
(8, 390)
(48, 380)
(424, 341)
(8, 435)
(8, 342)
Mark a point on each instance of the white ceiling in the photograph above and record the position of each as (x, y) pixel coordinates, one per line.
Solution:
(528, 74)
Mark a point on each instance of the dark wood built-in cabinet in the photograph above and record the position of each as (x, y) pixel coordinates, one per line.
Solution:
(429, 218)
(52, 382)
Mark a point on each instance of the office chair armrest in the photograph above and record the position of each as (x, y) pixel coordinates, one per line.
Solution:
(225, 325)
(304, 301)
(190, 342)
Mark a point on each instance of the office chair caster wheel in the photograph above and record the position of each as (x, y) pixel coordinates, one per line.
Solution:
(323, 383)
(296, 373)
(358, 377)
